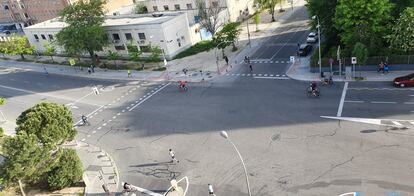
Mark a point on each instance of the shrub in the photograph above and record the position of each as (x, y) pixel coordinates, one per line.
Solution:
(160, 69)
(1, 132)
(67, 171)
(201, 46)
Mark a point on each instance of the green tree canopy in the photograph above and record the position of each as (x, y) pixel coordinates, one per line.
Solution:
(362, 21)
(52, 123)
(360, 51)
(325, 10)
(400, 6)
(270, 5)
(228, 35)
(50, 50)
(155, 53)
(67, 171)
(140, 8)
(402, 36)
(18, 45)
(84, 32)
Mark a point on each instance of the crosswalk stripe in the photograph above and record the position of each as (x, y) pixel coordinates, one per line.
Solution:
(259, 74)
(271, 75)
(277, 75)
(282, 61)
(248, 74)
(284, 75)
(265, 75)
(396, 123)
(243, 74)
(277, 61)
(237, 74)
(233, 74)
(254, 74)
(271, 61)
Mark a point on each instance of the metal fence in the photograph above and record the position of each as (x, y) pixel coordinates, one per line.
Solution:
(375, 60)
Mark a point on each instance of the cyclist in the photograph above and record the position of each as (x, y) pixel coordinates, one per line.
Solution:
(313, 86)
(181, 84)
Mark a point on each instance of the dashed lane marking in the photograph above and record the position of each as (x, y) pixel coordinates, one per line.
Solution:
(274, 78)
(382, 89)
(99, 128)
(148, 97)
(384, 102)
(346, 101)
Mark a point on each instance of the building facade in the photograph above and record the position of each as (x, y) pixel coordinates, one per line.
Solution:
(169, 31)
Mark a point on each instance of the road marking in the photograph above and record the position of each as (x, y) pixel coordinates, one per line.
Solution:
(227, 74)
(88, 135)
(354, 101)
(274, 78)
(385, 102)
(259, 74)
(118, 114)
(271, 75)
(109, 120)
(113, 117)
(149, 97)
(128, 107)
(105, 107)
(99, 128)
(90, 116)
(341, 103)
(248, 74)
(136, 101)
(265, 75)
(254, 74)
(408, 102)
(83, 139)
(131, 104)
(104, 124)
(109, 104)
(100, 110)
(93, 131)
(118, 99)
(123, 110)
(122, 96)
(397, 123)
(277, 62)
(243, 74)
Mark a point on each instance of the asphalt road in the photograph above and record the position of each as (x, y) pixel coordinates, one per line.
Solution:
(288, 149)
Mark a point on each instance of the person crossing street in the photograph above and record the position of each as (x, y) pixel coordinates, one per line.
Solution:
(172, 154)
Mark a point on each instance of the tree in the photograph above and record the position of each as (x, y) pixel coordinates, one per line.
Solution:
(362, 20)
(402, 36)
(325, 10)
(155, 53)
(113, 56)
(228, 35)
(140, 8)
(84, 32)
(399, 6)
(52, 123)
(360, 51)
(18, 45)
(66, 172)
(209, 16)
(2, 102)
(269, 4)
(133, 52)
(50, 51)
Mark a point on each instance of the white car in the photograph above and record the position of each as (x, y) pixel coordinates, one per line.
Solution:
(312, 38)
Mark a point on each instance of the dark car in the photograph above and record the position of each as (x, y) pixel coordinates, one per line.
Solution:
(404, 81)
(304, 49)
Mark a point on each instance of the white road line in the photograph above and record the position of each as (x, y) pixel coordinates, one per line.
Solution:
(100, 110)
(118, 114)
(233, 74)
(136, 101)
(123, 110)
(282, 61)
(93, 131)
(122, 96)
(274, 78)
(341, 103)
(243, 74)
(104, 124)
(227, 74)
(93, 112)
(276, 61)
(113, 117)
(90, 116)
(128, 107)
(131, 104)
(348, 101)
(397, 123)
(99, 128)
(109, 104)
(118, 99)
(254, 74)
(237, 74)
(109, 120)
(259, 74)
(248, 74)
(385, 102)
(277, 75)
(105, 107)
(265, 75)
(411, 122)
(83, 139)
(271, 75)
(284, 75)
(408, 102)
(149, 96)
(88, 135)
(76, 101)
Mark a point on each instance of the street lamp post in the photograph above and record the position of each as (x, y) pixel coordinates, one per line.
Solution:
(247, 24)
(226, 136)
(319, 40)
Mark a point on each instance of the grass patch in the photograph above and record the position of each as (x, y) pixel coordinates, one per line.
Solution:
(201, 46)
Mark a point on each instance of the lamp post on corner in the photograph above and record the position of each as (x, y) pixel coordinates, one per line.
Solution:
(319, 44)
(226, 136)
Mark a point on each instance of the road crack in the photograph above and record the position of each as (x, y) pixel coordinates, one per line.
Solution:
(332, 168)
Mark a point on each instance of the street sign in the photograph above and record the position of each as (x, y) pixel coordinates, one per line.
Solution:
(338, 53)
(292, 59)
(353, 60)
(95, 90)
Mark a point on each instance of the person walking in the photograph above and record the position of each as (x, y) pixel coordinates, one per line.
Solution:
(381, 67)
(226, 59)
(185, 71)
(129, 73)
(46, 72)
(251, 67)
(172, 154)
(248, 59)
(211, 190)
(142, 66)
(89, 70)
(386, 67)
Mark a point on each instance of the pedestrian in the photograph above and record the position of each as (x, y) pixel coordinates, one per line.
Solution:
(381, 67)
(93, 68)
(251, 67)
(185, 71)
(210, 189)
(129, 73)
(172, 154)
(97, 59)
(386, 67)
(142, 66)
(248, 59)
(46, 72)
(227, 60)
(89, 70)
(245, 59)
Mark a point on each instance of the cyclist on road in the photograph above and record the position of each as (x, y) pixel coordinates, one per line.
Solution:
(84, 120)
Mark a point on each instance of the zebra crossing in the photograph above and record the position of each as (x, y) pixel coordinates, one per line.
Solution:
(268, 61)
(259, 76)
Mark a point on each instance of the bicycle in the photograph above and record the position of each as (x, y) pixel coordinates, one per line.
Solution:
(312, 93)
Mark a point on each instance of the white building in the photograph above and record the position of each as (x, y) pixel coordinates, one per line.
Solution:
(170, 31)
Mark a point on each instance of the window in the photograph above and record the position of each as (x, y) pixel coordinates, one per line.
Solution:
(120, 47)
(177, 6)
(155, 8)
(189, 6)
(50, 37)
(43, 36)
(166, 8)
(141, 35)
(36, 37)
(215, 3)
(128, 36)
(116, 36)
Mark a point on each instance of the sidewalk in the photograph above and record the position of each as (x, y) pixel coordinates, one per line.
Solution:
(300, 70)
(99, 168)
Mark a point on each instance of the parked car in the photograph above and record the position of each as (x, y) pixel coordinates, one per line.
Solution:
(312, 37)
(304, 49)
(404, 81)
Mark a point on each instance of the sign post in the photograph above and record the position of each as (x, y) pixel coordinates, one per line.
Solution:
(338, 57)
(331, 61)
(354, 62)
